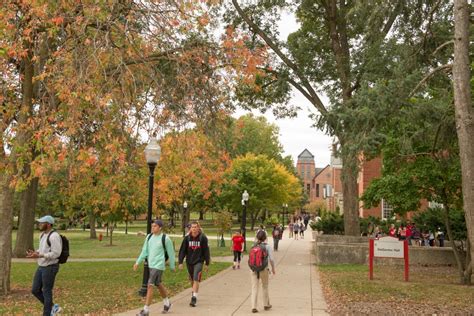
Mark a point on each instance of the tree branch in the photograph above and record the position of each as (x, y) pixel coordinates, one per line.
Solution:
(442, 46)
(314, 98)
(295, 84)
(428, 76)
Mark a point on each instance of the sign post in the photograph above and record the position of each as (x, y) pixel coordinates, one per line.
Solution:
(388, 247)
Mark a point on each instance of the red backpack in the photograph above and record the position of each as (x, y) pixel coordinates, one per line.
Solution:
(258, 257)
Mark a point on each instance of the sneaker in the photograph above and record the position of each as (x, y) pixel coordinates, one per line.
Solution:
(166, 309)
(193, 301)
(267, 307)
(143, 313)
(233, 267)
(56, 310)
(254, 310)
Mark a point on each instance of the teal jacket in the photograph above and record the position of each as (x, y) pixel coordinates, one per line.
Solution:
(153, 249)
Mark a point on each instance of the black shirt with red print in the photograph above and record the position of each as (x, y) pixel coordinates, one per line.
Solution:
(195, 249)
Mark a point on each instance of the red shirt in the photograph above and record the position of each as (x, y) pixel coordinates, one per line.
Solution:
(392, 232)
(237, 241)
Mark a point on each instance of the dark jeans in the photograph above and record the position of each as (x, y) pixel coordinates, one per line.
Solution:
(43, 284)
(275, 243)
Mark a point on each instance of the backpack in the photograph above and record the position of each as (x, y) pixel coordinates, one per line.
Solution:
(258, 258)
(64, 250)
(163, 239)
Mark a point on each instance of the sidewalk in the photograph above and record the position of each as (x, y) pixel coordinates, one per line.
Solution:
(294, 290)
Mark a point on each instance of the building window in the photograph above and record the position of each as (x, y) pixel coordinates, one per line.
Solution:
(387, 210)
(317, 189)
(308, 188)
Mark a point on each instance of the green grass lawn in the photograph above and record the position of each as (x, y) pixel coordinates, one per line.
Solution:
(436, 287)
(124, 246)
(91, 288)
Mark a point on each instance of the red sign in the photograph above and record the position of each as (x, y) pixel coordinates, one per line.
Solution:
(388, 247)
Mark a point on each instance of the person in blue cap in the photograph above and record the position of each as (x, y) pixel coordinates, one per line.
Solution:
(154, 249)
(48, 265)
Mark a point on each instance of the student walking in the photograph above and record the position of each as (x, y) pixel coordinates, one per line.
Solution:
(237, 248)
(302, 229)
(259, 257)
(195, 249)
(50, 247)
(296, 229)
(156, 248)
(290, 229)
(276, 234)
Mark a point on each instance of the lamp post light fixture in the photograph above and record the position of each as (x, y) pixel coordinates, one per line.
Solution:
(185, 213)
(245, 199)
(152, 156)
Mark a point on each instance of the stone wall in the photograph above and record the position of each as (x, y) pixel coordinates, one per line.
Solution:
(331, 249)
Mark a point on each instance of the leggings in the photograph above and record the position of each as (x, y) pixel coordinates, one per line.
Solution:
(237, 255)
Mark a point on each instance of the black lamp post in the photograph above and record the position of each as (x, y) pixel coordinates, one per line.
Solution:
(245, 199)
(185, 214)
(285, 208)
(152, 155)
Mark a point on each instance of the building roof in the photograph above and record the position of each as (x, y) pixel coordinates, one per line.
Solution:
(306, 154)
(319, 170)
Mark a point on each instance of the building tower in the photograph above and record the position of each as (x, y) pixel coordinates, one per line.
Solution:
(305, 167)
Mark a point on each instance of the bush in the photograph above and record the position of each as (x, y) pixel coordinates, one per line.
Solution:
(432, 218)
(330, 223)
(272, 221)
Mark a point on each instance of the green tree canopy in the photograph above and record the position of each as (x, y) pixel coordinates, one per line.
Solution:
(268, 183)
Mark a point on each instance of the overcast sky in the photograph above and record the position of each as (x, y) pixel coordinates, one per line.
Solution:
(296, 134)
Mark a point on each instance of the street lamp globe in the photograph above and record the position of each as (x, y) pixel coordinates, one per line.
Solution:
(185, 204)
(152, 152)
(245, 196)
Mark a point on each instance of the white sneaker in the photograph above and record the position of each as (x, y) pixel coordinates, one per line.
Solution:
(56, 310)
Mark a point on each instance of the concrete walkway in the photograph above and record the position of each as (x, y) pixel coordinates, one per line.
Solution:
(294, 289)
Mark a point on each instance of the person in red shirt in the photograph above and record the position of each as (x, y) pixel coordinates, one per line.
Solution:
(237, 248)
(392, 231)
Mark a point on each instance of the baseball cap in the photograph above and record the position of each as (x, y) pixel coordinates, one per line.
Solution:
(158, 222)
(46, 219)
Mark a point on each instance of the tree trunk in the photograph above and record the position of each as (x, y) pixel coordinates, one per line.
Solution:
(24, 238)
(201, 215)
(252, 220)
(22, 160)
(468, 271)
(464, 111)
(92, 231)
(350, 196)
(172, 218)
(457, 255)
(6, 220)
(111, 234)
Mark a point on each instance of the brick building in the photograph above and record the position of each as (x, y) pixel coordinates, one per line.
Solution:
(321, 184)
(324, 184)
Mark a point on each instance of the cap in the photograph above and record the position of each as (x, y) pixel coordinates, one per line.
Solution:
(158, 222)
(46, 219)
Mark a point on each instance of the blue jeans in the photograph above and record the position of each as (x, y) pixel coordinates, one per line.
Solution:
(43, 284)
